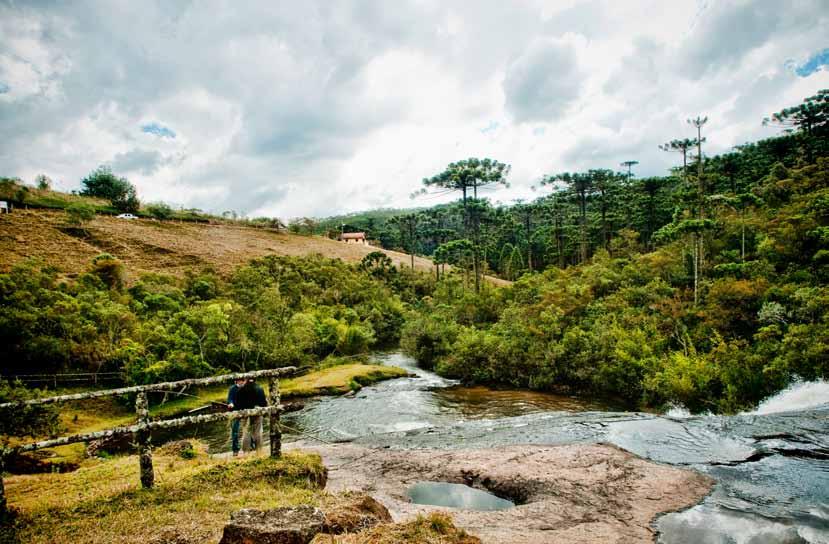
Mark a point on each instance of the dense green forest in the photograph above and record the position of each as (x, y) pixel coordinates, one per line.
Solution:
(706, 287)
(277, 311)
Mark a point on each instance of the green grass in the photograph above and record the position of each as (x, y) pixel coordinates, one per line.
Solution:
(105, 413)
(57, 200)
(103, 502)
(338, 380)
(334, 380)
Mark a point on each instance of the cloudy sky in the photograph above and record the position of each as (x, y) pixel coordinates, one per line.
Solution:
(316, 108)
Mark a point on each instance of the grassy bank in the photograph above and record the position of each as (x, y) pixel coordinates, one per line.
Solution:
(334, 380)
(103, 502)
(100, 414)
(193, 498)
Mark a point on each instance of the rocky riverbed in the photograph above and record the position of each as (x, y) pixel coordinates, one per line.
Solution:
(579, 493)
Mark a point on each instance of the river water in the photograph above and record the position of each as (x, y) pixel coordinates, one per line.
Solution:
(771, 466)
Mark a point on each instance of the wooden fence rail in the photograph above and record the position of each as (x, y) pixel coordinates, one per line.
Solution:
(69, 377)
(163, 386)
(144, 426)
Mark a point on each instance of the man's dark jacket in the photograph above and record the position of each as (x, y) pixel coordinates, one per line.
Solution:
(249, 396)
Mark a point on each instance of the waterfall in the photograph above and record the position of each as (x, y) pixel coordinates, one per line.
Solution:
(798, 396)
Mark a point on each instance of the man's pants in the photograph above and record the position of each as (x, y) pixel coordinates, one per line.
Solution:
(234, 434)
(252, 437)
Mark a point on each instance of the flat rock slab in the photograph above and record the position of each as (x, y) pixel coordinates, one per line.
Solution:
(290, 525)
(580, 493)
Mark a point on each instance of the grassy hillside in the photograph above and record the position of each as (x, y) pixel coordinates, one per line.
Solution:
(170, 247)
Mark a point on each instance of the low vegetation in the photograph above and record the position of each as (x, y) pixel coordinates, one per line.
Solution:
(103, 199)
(435, 528)
(276, 311)
(192, 500)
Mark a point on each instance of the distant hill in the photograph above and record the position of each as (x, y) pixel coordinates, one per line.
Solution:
(169, 247)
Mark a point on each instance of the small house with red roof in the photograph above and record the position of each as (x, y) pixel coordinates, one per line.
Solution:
(354, 238)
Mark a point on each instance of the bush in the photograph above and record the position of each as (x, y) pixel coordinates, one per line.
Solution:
(690, 380)
(109, 270)
(159, 210)
(79, 213)
(428, 338)
(31, 421)
(127, 202)
(102, 183)
(357, 338)
(43, 182)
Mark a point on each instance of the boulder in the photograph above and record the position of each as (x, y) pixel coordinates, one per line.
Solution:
(172, 535)
(353, 512)
(288, 525)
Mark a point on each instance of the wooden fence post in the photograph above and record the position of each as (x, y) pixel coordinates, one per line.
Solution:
(145, 452)
(275, 431)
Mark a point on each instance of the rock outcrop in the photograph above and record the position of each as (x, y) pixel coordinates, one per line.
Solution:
(579, 493)
(353, 512)
(289, 525)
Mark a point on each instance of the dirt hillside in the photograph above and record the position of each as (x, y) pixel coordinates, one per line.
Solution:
(162, 246)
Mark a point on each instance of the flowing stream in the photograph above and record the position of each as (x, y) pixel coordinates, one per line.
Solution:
(771, 465)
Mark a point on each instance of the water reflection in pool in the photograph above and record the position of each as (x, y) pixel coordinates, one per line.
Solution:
(456, 496)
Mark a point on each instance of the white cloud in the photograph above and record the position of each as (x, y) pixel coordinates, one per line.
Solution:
(544, 80)
(316, 108)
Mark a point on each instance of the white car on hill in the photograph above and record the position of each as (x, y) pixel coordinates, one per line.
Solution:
(126, 216)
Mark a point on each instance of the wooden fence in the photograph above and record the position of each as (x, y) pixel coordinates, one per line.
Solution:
(74, 378)
(144, 426)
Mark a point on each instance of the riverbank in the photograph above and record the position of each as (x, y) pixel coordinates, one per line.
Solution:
(100, 414)
(579, 493)
(103, 502)
(582, 493)
(332, 380)
(194, 497)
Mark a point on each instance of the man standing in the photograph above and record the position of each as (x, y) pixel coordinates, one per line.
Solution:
(232, 395)
(251, 395)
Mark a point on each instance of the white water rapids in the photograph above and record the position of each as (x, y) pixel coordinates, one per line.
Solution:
(797, 397)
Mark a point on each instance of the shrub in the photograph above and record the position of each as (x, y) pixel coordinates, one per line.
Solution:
(103, 183)
(110, 270)
(43, 182)
(30, 421)
(159, 210)
(127, 202)
(428, 338)
(79, 213)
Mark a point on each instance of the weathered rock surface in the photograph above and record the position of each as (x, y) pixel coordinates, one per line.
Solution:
(580, 493)
(290, 525)
(351, 512)
(173, 536)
